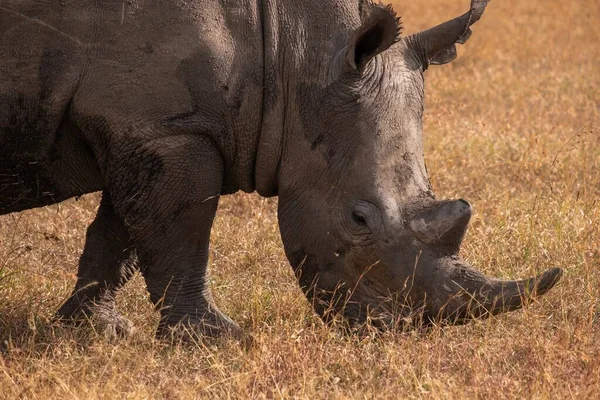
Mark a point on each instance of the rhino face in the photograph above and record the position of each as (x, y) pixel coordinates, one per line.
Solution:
(358, 216)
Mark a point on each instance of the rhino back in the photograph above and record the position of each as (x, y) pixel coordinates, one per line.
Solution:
(177, 67)
(42, 55)
(76, 77)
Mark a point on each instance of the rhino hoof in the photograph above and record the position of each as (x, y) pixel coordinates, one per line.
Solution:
(191, 331)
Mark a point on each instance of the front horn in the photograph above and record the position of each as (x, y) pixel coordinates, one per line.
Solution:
(470, 294)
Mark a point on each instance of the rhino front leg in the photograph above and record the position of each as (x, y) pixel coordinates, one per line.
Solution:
(108, 261)
(167, 190)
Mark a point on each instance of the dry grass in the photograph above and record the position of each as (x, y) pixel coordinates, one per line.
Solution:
(512, 125)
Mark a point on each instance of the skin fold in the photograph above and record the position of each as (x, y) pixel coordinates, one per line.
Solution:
(166, 106)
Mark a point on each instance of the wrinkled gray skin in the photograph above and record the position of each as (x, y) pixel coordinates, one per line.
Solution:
(164, 106)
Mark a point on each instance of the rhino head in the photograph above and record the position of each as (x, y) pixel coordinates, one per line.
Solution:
(358, 216)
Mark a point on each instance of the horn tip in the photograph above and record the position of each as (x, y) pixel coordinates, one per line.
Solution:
(547, 280)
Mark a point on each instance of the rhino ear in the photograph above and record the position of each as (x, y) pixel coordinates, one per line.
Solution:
(379, 30)
(438, 45)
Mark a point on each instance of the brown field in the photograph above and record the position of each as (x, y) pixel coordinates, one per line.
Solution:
(512, 125)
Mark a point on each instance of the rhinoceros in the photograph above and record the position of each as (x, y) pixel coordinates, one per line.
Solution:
(164, 106)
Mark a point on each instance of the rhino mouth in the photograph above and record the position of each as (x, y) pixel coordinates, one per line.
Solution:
(466, 294)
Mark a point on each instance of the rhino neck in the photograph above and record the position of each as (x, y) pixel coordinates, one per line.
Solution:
(300, 39)
(270, 142)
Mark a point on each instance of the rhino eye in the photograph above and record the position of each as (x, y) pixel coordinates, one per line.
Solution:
(359, 219)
